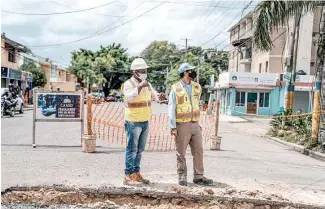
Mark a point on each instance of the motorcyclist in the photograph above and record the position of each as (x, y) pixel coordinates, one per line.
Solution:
(11, 95)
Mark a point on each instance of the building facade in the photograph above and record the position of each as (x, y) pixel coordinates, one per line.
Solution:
(10, 56)
(256, 80)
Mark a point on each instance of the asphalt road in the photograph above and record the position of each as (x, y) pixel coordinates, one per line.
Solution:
(245, 162)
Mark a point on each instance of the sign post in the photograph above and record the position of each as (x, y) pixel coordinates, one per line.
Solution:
(216, 140)
(51, 106)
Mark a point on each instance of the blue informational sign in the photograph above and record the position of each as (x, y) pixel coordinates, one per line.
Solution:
(58, 106)
(14, 74)
(4, 72)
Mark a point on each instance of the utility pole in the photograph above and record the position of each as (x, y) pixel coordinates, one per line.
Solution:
(319, 94)
(289, 91)
(186, 40)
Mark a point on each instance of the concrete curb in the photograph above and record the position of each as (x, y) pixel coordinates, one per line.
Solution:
(299, 148)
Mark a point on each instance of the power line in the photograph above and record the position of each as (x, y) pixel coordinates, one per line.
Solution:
(212, 10)
(222, 29)
(222, 14)
(99, 33)
(59, 13)
(105, 15)
(21, 57)
(244, 43)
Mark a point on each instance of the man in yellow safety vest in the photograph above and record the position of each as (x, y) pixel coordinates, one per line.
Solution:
(184, 114)
(138, 94)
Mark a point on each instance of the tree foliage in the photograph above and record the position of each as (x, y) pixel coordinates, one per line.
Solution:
(218, 61)
(106, 67)
(39, 77)
(204, 69)
(159, 55)
(269, 15)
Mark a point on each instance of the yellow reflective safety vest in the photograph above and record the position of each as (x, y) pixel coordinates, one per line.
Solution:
(139, 110)
(187, 108)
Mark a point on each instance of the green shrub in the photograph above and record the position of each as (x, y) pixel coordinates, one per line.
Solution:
(289, 121)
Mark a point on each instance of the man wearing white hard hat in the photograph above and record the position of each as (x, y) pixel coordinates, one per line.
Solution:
(184, 114)
(138, 94)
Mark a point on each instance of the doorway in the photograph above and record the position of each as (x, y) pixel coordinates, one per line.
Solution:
(251, 103)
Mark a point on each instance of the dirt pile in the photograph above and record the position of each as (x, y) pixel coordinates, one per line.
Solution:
(109, 198)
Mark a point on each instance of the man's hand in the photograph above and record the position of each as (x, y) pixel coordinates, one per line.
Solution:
(137, 76)
(174, 132)
(141, 85)
(161, 97)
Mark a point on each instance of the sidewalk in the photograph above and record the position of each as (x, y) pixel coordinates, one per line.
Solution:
(232, 119)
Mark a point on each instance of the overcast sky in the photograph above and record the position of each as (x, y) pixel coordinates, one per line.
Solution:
(118, 22)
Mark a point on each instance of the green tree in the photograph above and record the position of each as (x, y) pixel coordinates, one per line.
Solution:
(106, 67)
(39, 77)
(218, 60)
(203, 69)
(160, 55)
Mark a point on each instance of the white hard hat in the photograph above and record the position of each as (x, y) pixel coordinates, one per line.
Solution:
(139, 63)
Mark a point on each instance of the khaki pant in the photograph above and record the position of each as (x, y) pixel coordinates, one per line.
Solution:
(189, 134)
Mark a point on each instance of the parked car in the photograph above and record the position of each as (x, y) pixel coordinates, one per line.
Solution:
(111, 98)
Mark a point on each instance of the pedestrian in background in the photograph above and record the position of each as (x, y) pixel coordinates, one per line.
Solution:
(184, 114)
(138, 94)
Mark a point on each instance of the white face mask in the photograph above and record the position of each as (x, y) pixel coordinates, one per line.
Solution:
(143, 76)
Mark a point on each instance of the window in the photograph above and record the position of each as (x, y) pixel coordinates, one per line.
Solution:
(315, 34)
(264, 99)
(266, 66)
(312, 64)
(11, 56)
(260, 68)
(11, 52)
(240, 98)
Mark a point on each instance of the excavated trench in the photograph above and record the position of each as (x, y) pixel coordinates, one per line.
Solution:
(54, 197)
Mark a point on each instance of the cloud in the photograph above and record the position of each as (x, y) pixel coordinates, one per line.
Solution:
(170, 21)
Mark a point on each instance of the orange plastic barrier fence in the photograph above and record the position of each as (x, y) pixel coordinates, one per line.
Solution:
(108, 125)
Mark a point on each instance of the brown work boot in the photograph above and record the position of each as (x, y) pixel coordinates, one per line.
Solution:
(131, 180)
(141, 179)
(203, 181)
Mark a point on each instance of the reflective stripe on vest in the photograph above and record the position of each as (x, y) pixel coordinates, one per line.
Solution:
(138, 104)
(188, 115)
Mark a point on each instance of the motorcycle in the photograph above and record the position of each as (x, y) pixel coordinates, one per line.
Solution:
(7, 107)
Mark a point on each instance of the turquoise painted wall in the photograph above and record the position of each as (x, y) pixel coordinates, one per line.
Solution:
(239, 111)
(274, 104)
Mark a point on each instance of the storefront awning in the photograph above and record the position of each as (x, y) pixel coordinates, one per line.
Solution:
(244, 86)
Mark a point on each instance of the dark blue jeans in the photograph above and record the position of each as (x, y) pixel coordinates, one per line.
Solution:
(137, 134)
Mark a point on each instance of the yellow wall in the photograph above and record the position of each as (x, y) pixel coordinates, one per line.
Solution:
(64, 86)
(46, 66)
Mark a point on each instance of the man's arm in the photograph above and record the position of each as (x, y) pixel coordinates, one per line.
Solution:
(172, 109)
(130, 92)
(154, 93)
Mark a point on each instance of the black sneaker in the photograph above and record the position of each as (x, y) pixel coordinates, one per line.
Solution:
(203, 181)
(182, 182)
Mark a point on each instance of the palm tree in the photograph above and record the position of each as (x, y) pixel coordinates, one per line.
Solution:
(269, 15)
